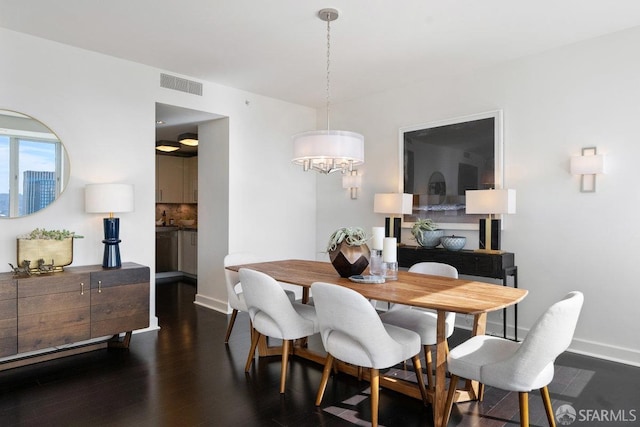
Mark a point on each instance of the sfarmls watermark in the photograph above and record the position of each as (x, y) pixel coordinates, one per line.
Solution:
(567, 415)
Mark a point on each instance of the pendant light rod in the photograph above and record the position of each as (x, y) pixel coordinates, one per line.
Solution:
(328, 15)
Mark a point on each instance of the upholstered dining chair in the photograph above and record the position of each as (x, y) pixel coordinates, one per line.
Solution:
(423, 321)
(518, 366)
(234, 288)
(274, 315)
(352, 332)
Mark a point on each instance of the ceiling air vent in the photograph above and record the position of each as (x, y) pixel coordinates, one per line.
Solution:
(183, 85)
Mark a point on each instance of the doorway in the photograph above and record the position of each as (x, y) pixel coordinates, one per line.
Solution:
(178, 189)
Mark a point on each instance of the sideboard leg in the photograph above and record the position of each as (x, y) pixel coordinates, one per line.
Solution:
(116, 342)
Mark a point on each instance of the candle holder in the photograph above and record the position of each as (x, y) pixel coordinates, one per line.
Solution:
(391, 270)
(375, 263)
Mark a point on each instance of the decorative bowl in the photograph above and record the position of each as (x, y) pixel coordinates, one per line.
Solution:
(429, 238)
(187, 222)
(453, 243)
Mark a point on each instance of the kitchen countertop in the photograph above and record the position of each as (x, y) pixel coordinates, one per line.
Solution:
(165, 228)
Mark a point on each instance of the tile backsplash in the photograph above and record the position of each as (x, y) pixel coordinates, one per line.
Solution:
(177, 211)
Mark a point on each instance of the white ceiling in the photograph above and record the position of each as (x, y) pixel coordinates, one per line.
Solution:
(278, 48)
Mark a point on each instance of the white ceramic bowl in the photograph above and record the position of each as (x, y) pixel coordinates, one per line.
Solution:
(187, 221)
(453, 243)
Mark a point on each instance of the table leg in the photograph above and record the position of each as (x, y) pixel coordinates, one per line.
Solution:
(439, 397)
(479, 328)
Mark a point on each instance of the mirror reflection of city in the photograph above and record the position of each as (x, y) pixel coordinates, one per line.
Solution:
(33, 165)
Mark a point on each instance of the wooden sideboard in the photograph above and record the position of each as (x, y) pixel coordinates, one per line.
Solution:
(495, 265)
(54, 311)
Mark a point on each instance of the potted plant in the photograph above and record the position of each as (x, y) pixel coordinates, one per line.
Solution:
(348, 251)
(426, 233)
(40, 247)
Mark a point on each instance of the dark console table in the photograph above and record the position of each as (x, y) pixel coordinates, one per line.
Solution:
(482, 264)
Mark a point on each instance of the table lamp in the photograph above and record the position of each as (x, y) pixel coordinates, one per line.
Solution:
(109, 198)
(393, 204)
(490, 202)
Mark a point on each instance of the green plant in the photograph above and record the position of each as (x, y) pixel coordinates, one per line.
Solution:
(354, 236)
(423, 225)
(43, 234)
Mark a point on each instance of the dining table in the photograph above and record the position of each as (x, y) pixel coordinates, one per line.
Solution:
(438, 293)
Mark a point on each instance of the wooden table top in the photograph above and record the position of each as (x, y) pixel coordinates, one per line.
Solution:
(419, 290)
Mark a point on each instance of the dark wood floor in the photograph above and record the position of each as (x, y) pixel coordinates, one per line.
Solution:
(183, 375)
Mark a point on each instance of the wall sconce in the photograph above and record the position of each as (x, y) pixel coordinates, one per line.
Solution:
(588, 165)
(352, 181)
(393, 204)
(490, 202)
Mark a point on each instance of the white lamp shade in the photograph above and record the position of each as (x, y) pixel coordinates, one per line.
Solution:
(491, 201)
(587, 165)
(393, 203)
(324, 145)
(108, 198)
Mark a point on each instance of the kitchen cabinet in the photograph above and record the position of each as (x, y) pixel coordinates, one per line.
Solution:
(190, 185)
(176, 179)
(63, 309)
(189, 251)
(169, 179)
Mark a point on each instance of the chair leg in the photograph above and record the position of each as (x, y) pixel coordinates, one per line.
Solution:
(453, 382)
(429, 367)
(418, 368)
(252, 350)
(546, 399)
(283, 369)
(325, 377)
(375, 396)
(230, 326)
(524, 408)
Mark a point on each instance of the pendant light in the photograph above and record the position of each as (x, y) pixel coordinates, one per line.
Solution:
(190, 139)
(328, 151)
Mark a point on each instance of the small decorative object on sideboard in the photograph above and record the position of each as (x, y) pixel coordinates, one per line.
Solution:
(21, 271)
(453, 243)
(38, 247)
(348, 251)
(426, 233)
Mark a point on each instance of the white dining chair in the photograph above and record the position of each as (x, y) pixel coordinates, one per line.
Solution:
(274, 315)
(517, 366)
(234, 287)
(424, 321)
(352, 332)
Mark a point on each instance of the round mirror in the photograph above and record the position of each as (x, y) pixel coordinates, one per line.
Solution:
(34, 167)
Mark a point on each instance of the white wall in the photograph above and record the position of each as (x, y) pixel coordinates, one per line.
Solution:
(554, 104)
(103, 109)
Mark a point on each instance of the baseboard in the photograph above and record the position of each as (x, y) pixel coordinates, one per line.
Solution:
(602, 351)
(608, 352)
(212, 303)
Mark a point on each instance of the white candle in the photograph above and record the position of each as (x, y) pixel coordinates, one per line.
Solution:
(378, 238)
(390, 250)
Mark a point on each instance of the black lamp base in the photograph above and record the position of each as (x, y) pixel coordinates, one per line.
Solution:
(393, 230)
(111, 258)
(490, 236)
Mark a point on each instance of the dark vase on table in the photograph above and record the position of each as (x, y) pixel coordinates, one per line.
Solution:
(350, 260)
